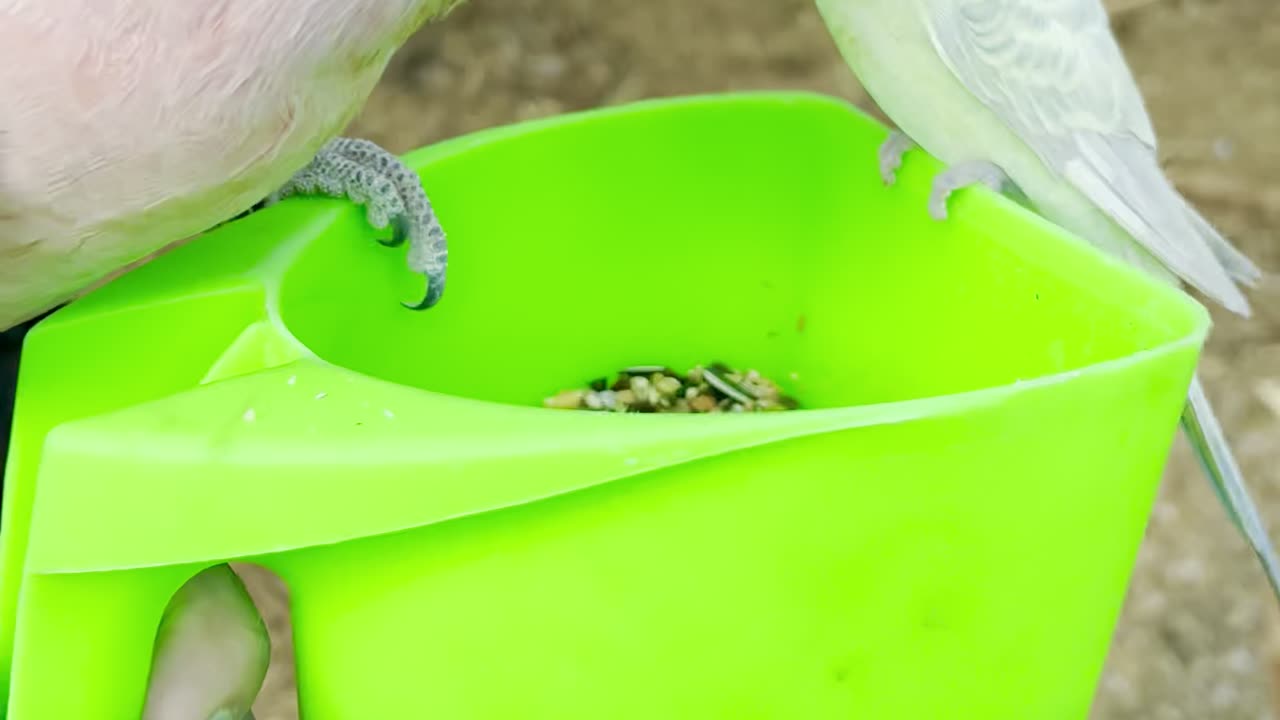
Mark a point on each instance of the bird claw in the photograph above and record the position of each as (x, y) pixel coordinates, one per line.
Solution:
(392, 194)
(399, 232)
(429, 256)
(961, 176)
(891, 153)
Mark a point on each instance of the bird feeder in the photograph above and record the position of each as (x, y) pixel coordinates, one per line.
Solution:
(944, 529)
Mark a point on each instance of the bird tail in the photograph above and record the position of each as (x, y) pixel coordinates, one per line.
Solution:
(1121, 177)
(1210, 445)
(1238, 266)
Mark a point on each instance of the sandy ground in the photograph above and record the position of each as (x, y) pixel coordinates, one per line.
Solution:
(1191, 643)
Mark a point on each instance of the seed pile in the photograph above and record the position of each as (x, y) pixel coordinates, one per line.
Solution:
(713, 388)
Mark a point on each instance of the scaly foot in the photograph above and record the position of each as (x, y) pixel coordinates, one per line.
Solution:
(392, 194)
(964, 175)
(891, 152)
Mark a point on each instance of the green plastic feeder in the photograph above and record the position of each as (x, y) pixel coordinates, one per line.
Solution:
(946, 531)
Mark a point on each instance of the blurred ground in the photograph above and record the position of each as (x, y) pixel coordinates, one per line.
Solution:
(1191, 641)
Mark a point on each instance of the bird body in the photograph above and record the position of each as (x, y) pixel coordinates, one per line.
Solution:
(129, 125)
(1063, 66)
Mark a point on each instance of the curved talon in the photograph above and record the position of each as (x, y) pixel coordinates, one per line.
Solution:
(429, 256)
(392, 195)
(938, 204)
(976, 172)
(435, 289)
(399, 233)
(890, 154)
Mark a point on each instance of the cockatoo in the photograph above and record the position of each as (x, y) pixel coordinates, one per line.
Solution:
(1035, 96)
(130, 125)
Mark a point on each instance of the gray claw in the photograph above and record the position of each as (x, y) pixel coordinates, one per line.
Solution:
(965, 175)
(891, 153)
(434, 291)
(392, 195)
(429, 256)
(399, 232)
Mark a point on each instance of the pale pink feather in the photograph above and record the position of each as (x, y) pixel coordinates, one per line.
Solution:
(128, 125)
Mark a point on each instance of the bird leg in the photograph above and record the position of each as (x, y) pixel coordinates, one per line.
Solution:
(891, 152)
(993, 176)
(392, 194)
(964, 175)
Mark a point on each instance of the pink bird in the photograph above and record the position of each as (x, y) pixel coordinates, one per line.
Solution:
(130, 125)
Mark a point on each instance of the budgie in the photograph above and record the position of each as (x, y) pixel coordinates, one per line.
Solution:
(1035, 98)
(130, 125)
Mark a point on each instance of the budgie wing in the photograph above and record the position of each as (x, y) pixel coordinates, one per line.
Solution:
(1052, 71)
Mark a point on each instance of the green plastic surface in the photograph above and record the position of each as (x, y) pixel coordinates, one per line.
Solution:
(946, 532)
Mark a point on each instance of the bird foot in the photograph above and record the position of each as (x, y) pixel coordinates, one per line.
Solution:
(964, 175)
(392, 194)
(891, 153)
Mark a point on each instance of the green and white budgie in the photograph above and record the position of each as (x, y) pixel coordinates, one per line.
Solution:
(130, 125)
(1035, 96)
